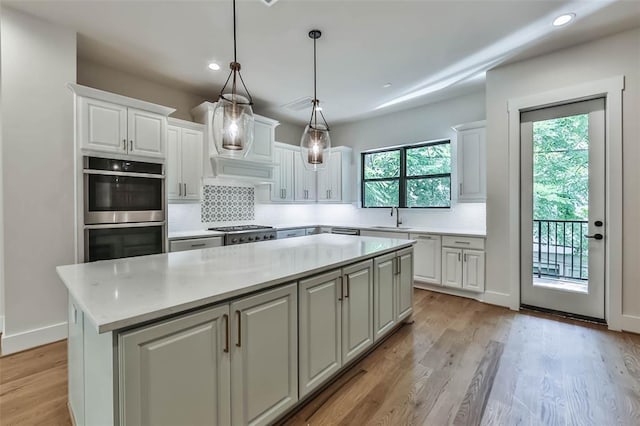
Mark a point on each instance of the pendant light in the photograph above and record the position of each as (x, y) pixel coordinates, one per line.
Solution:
(315, 144)
(233, 115)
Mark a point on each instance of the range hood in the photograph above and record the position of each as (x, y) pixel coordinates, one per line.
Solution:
(247, 169)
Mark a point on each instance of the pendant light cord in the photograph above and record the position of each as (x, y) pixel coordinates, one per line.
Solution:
(235, 50)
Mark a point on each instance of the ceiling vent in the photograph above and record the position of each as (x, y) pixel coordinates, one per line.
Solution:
(299, 104)
(269, 2)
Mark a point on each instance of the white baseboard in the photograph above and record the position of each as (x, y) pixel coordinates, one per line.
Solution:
(630, 323)
(446, 290)
(30, 339)
(495, 298)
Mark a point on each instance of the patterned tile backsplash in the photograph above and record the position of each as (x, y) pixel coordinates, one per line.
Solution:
(227, 203)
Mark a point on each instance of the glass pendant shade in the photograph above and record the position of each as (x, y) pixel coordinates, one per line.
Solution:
(233, 124)
(315, 147)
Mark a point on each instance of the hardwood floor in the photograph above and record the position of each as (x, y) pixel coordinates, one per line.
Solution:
(461, 362)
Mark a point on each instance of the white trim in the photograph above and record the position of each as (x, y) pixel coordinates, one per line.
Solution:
(496, 298)
(178, 122)
(630, 323)
(611, 89)
(90, 92)
(30, 339)
(469, 126)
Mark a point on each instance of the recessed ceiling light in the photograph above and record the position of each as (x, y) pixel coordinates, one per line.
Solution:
(563, 19)
(214, 66)
(386, 86)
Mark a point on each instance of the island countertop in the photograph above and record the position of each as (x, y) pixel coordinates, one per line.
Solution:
(115, 294)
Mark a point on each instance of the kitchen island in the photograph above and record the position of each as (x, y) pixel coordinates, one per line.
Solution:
(228, 335)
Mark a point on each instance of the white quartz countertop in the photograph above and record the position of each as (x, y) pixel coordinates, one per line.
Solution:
(406, 230)
(115, 294)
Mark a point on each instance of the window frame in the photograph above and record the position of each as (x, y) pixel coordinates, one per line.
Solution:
(403, 178)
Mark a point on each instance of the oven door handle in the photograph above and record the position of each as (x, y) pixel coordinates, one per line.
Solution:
(124, 225)
(125, 174)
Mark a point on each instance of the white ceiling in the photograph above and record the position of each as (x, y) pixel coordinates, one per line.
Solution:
(433, 46)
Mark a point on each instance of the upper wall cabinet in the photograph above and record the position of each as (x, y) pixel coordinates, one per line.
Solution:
(334, 183)
(472, 160)
(185, 147)
(118, 125)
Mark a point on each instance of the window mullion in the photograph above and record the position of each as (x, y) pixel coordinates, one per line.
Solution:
(402, 187)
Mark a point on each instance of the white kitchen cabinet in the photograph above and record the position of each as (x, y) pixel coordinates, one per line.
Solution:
(264, 356)
(304, 181)
(194, 244)
(291, 233)
(384, 294)
(452, 267)
(283, 190)
(404, 283)
(471, 162)
(263, 139)
(184, 160)
(115, 124)
(473, 270)
(357, 310)
(177, 372)
(334, 182)
(427, 253)
(320, 322)
(463, 261)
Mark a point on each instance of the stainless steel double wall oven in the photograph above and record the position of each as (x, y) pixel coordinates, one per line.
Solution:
(124, 208)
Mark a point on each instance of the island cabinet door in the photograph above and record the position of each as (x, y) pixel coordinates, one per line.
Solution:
(177, 372)
(357, 310)
(384, 294)
(404, 286)
(320, 317)
(264, 356)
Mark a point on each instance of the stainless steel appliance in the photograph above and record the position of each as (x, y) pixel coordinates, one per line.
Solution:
(124, 208)
(122, 191)
(345, 231)
(246, 233)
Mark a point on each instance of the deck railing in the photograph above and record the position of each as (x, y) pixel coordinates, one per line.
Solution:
(560, 249)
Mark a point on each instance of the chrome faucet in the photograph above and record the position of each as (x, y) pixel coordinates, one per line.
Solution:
(398, 221)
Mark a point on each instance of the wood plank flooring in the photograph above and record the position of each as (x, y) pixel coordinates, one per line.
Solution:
(461, 362)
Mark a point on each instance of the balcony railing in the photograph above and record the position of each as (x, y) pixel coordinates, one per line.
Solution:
(560, 249)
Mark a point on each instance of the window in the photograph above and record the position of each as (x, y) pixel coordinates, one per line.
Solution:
(409, 176)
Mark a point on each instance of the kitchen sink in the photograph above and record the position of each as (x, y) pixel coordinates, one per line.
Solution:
(392, 227)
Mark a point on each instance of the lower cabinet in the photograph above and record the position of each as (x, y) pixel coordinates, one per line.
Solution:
(393, 290)
(463, 268)
(230, 364)
(335, 320)
(428, 250)
(264, 356)
(184, 361)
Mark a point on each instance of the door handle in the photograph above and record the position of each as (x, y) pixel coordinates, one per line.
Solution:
(185, 189)
(239, 316)
(131, 145)
(179, 190)
(459, 257)
(347, 278)
(226, 337)
(124, 144)
(341, 290)
(595, 236)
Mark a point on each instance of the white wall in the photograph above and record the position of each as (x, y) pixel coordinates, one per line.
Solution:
(38, 59)
(607, 57)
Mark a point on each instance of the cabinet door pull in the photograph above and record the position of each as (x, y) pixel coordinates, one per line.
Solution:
(185, 189)
(285, 193)
(459, 257)
(239, 316)
(179, 190)
(347, 278)
(399, 265)
(465, 257)
(460, 193)
(226, 333)
(124, 144)
(131, 145)
(341, 290)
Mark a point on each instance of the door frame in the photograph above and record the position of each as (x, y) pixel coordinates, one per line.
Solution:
(610, 89)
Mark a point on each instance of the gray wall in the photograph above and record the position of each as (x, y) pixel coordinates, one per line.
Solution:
(429, 122)
(604, 58)
(289, 133)
(38, 60)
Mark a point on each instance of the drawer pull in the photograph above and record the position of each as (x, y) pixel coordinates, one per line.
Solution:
(425, 237)
(463, 242)
(198, 245)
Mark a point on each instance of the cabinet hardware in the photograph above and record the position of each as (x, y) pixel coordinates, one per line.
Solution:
(185, 189)
(198, 245)
(341, 290)
(285, 193)
(463, 242)
(425, 237)
(347, 278)
(282, 193)
(399, 265)
(226, 334)
(131, 145)
(465, 257)
(239, 316)
(459, 257)
(179, 190)
(124, 144)
(460, 193)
